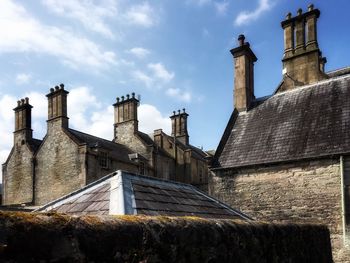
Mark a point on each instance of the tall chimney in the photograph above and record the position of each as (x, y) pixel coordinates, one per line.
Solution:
(23, 118)
(179, 126)
(125, 116)
(302, 60)
(244, 59)
(57, 105)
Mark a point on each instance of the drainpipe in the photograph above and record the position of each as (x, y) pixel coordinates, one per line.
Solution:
(342, 197)
(34, 180)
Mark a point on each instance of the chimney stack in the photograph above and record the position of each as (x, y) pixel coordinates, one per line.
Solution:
(57, 105)
(179, 126)
(244, 59)
(23, 118)
(302, 60)
(125, 115)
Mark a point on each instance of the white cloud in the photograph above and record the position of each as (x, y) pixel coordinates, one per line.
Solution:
(89, 14)
(142, 77)
(139, 52)
(179, 94)
(20, 32)
(23, 78)
(160, 72)
(151, 119)
(142, 15)
(246, 17)
(221, 7)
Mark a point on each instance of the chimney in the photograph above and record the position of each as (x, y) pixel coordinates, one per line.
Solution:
(23, 118)
(179, 126)
(125, 115)
(57, 106)
(244, 59)
(158, 137)
(302, 60)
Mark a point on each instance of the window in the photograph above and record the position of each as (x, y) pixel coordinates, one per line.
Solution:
(142, 168)
(103, 159)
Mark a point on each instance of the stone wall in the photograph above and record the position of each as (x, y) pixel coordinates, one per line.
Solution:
(94, 171)
(17, 173)
(60, 166)
(307, 192)
(59, 238)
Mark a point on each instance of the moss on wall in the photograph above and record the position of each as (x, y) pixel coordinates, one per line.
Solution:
(34, 237)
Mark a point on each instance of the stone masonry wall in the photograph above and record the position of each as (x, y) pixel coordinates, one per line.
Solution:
(60, 238)
(60, 166)
(302, 192)
(95, 171)
(17, 177)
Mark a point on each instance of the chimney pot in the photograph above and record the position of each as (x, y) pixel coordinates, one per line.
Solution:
(57, 88)
(179, 111)
(288, 16)
(52, 90)
(118, 99)
(18, 103)
(128, 96)
(299, 12)
(62, 86)
(26, 100)
(241, 39)
(174, 113)
(133, 95)
(122, 98)
(310, 7)
(184, 110)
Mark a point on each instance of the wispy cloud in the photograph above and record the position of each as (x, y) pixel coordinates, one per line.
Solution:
(139, 52)
(221, 7)
(21, 32)
(142, 15)
(23, 78)
(159, 71)
(246, 17)
(179, 94)
(89, 14)
(142, 77)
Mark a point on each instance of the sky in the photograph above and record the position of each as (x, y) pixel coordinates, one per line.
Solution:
(174, 54)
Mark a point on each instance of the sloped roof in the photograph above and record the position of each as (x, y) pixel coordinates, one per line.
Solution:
(306, 122)
(34, 144)
(126, 193)
(116, 150)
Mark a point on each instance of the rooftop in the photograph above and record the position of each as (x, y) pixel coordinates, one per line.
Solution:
(123, 193)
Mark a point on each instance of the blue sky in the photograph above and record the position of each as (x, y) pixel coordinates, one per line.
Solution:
(175, 54)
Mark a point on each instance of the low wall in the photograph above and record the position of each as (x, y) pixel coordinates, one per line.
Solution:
(30, 237)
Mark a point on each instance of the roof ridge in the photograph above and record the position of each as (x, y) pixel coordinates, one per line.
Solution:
(321, 82)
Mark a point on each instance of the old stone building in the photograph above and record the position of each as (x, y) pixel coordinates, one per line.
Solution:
(38, 171)
(286, 157)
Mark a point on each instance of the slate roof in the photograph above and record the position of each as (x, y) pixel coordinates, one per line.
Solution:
(307, 122)
(34, 144)
(116, 150)
(126, 193)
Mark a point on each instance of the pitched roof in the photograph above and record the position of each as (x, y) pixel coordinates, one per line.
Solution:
(307, 122)
(116, 150)
(126, 193)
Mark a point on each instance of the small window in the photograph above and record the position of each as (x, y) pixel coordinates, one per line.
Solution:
(200, 175)
(142, 168)
(103, 159)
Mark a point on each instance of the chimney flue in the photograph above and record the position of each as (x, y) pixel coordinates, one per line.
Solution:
(244, 59)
